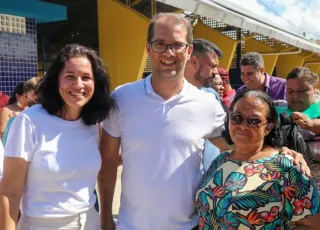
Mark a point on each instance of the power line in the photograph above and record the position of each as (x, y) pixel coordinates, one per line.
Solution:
(275, 12)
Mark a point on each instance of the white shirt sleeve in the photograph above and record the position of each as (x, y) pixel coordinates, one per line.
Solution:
(21, 140)
(111, 124)
(218, 120)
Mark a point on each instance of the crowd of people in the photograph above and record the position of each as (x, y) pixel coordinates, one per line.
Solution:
(196, 153)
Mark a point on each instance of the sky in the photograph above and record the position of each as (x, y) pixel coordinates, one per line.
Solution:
(298, 16)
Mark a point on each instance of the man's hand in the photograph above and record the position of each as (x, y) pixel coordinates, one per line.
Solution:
(302, 120)
(297, 160)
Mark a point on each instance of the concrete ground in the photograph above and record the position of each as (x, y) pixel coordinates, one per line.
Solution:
(116, 198)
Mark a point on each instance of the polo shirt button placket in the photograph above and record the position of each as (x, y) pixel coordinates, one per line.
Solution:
(166, 109)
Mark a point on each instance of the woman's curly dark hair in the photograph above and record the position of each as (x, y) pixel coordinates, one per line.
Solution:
(99, 106)
(274, 138)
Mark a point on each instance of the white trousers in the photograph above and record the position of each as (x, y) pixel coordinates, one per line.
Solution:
(89, 220)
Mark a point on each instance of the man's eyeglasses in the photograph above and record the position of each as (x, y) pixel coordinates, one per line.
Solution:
(252, 122)
(161, 47)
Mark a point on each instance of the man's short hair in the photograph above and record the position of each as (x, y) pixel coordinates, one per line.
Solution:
(303, 73)
(31, 84)
(253, 58)
(202, 46)
(174, 19)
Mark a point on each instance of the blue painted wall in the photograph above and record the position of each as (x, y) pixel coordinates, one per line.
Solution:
(41, 11)
(18, 57)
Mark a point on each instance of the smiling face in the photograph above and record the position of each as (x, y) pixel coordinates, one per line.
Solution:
(168, 65)
(76, 84)
(256, 111)
(253, 78)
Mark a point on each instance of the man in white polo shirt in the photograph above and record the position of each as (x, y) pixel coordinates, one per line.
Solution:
(161, 124)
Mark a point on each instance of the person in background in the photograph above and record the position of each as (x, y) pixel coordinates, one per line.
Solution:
(254, 77)
(30, 88)
(55, 146)
(304, 109)
(17, 103)
(317, 91)
(29, 92)
(200, 71)
(217, 85)
(229, 92)
(254, 186)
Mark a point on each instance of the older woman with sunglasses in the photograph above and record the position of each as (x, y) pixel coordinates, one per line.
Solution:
(253, 186)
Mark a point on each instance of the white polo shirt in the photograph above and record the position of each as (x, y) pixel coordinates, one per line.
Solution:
(161, 144)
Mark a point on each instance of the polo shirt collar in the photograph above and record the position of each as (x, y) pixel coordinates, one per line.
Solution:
(267, 82)
(149, 89)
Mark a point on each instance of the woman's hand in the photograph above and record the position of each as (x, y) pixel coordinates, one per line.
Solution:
(302, 120)
(298, 160)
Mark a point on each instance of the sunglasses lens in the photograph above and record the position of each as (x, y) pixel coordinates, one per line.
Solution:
(254, 122)
(236, 119)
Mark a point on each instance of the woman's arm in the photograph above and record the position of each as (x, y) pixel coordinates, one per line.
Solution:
(107, 178)
(11, 190)
(4, 117)
(312, 222)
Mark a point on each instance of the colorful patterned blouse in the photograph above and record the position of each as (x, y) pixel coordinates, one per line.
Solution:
(269, 193)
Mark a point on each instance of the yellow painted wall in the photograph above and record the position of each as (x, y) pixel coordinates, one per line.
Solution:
(252, 45)
(122, 40)
(314, 67)
(226, 44)
(286, 63)
(313, 63)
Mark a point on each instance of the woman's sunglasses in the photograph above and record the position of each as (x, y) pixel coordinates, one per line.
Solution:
(252, 122)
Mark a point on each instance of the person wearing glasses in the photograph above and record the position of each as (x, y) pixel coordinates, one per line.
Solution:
(203, 63)
(254, 186)
(161, 123)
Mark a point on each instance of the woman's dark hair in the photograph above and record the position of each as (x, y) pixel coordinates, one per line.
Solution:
(17, 90)
(274, 138)
(99, 106)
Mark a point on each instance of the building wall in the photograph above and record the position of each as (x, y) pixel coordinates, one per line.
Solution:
(18, 51)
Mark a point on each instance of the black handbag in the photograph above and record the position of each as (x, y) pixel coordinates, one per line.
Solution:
(292, 137)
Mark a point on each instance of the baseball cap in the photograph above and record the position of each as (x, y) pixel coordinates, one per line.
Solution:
(223, 73)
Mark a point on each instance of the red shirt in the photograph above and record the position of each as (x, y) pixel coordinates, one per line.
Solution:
(4, 99)
(228, 98)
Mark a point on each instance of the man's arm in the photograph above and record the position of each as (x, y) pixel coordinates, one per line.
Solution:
(109, 150)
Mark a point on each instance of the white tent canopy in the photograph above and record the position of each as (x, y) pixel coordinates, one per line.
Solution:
(234, 15)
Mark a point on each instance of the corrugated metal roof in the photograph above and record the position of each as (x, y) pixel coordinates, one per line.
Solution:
(234, 15)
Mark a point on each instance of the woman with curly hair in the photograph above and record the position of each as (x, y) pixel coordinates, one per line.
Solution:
(52, 158)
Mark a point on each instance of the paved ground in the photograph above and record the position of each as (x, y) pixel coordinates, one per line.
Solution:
(116, 198)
